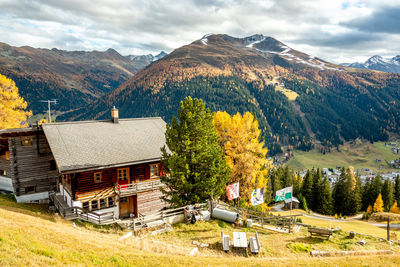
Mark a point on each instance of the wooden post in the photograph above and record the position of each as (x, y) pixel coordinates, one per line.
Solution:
(290, 224)
(388, 228)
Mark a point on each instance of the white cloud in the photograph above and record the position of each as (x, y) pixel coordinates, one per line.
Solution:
(332, 30)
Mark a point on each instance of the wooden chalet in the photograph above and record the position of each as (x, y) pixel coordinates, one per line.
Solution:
(95, 170)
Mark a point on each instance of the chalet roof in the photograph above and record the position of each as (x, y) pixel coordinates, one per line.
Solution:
(99, 144)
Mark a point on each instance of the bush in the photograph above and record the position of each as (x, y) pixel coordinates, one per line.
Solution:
(299, 220)
(299, 247)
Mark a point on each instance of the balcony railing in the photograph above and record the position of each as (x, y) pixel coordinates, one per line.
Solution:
(126, 189)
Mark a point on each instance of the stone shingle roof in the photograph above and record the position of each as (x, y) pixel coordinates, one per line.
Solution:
(100, 144)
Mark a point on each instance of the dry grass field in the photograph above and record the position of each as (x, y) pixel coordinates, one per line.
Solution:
(30, 236)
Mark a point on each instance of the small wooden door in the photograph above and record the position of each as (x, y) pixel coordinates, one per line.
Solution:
(127, 205)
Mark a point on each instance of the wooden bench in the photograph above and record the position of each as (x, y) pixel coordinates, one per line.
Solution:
(225, 242)
(319, 232)
(254, 244)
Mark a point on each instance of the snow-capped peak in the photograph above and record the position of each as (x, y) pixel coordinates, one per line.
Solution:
(204, 40)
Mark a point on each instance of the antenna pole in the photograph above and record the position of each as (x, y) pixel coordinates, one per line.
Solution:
(48, 102)
(49, 107)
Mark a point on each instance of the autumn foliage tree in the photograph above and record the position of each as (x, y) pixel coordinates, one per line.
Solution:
(395, 208)
(13, 113)
(245, 154)
(378, 206)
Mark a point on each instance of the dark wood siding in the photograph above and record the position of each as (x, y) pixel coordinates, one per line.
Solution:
(32, 165)
(85, 182)
(150, 201)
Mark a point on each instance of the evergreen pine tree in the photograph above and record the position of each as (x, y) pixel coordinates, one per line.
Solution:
(326, 205)
(397, 189)
(387, 194)
(307, 187)
(194, 160)
(317, 190)
(366, 195)
(297, 181)
(339, 193)
(376, 188)
(287, 177)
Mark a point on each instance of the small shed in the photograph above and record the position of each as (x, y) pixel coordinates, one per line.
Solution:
(295, 204)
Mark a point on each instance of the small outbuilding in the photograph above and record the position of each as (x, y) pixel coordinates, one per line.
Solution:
(295, 204)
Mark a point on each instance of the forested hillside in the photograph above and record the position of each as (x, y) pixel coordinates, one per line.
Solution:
(74, 78)
(334, 103)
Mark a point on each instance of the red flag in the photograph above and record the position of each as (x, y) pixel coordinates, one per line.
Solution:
(232, 191)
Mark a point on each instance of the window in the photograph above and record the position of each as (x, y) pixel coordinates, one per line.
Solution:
(103, 203)
(29, 189)
(97, 177)
(26, 141)
(85, 205)
(95, 205)
(154, 170)
(123, 174)
(3, 172)
(110, 202)
(53, 165)
(123, 200)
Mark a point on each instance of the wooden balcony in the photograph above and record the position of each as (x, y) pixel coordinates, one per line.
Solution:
(131, 189)
(71, 213)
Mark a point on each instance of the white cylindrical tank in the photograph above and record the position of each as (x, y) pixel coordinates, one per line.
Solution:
(225, 215)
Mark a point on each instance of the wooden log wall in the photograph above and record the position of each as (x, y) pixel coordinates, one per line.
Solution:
(150, 201)
(32, 165)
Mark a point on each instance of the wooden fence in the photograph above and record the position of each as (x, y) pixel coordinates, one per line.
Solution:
(262, 218)
(146, 220)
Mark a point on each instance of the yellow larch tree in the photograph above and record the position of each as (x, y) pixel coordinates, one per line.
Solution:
(239, 137)
(13, 113)
(378, 205)
(395, 208)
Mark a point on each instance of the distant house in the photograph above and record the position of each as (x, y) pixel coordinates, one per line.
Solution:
(295, 204)
(88, 167)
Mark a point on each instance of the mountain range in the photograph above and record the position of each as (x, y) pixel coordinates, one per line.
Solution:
(74, 78)
(300, 101)
(378, 63)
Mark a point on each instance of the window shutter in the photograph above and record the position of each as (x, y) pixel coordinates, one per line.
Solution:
(147, 172)
(161, 169)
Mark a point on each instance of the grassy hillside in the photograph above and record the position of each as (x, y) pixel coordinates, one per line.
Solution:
(30, 236)
(358, 156)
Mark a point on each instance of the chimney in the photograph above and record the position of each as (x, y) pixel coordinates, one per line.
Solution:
(114, 115)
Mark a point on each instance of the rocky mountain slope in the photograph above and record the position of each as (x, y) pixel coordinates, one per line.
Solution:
(301, 101)
(74, 78)
(378, 63)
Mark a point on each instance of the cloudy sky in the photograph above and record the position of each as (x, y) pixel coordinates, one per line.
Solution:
(335, 30)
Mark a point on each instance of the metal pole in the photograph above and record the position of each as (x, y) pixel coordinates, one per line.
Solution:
(48, 103)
